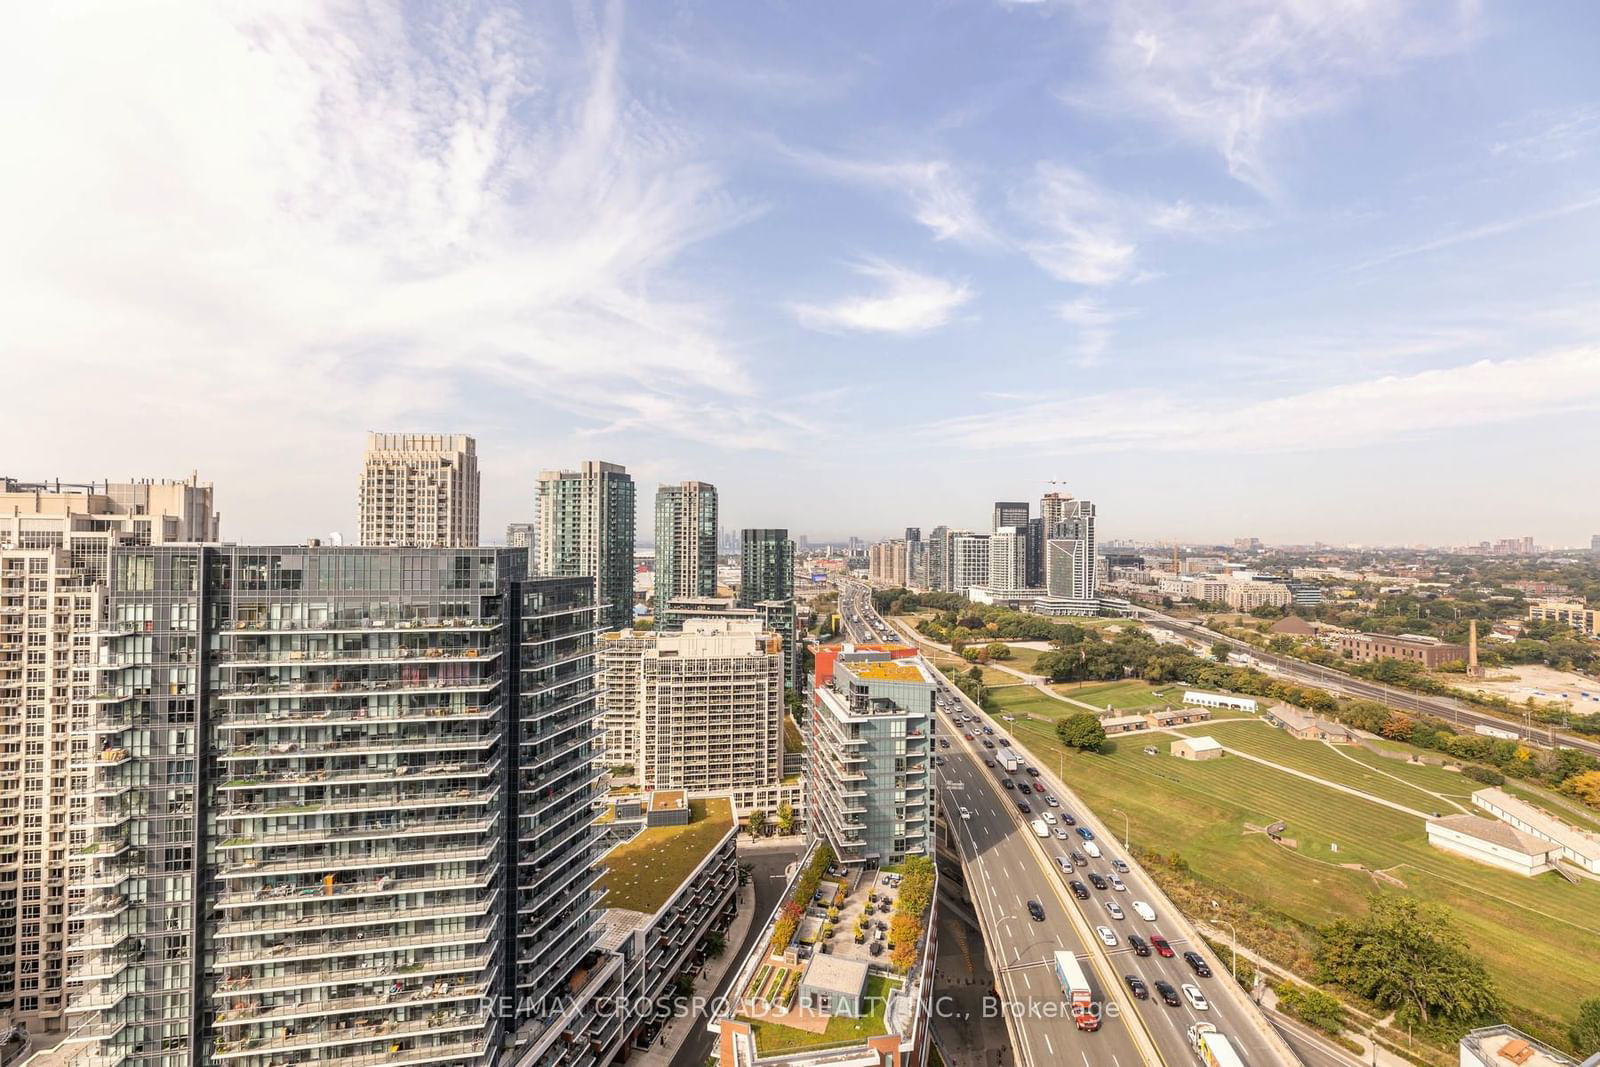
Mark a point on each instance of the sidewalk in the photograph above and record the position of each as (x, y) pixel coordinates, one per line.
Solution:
(676, 1032)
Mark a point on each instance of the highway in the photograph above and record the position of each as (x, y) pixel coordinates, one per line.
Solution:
(1450, 710)
(1007, 865)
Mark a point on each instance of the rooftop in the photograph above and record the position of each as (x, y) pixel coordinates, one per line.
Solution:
(668, 800)
(892, 670)
(643, 873)
(1494, 832)
(1504, 1046)
(1203, 744)
(836, 974)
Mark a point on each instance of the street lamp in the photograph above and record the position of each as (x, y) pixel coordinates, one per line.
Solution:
(1233, 935)
(1125, 846)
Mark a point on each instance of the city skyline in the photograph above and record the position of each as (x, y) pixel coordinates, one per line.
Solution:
(1193, 303)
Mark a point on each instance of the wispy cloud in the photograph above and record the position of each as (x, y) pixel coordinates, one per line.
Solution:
(391, 227)
(1486, 230)
(1551, 138)
(935, 192)
(1231, 76)
(1349, 415)
(905, 302)
(1077, 236)
(1093, 320)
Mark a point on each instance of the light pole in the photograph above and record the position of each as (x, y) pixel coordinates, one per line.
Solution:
(1233, 935)
(1125, 846)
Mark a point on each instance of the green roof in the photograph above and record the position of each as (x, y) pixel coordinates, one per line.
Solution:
(644, 873)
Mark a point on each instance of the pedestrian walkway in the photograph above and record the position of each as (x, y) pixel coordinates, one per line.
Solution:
(677, 1031)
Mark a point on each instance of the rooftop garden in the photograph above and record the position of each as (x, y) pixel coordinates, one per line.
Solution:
(842, 1030)
(642, 874)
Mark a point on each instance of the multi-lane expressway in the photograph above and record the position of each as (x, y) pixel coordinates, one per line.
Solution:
(1007, 865)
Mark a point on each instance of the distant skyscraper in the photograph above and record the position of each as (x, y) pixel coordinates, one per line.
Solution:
(56, 542)
(686, 541)
(1008, 557)
(1053, 510)
(969, 560)
(525, 535)
(586, 530)
(1009, 513)
(1594, 544)
(1035, 568)
(419, 490)
(766, 566)
(913, 533)
(1069, 549)
(938, 559)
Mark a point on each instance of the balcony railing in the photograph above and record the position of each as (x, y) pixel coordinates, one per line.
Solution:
(313, 1037)
(392, 828)
(278, 750)
(410, 857)
(359, 943)
(234, 985)
(385, 801)
(269, 895)
(291, 922)
(286, 690)
(246, 1013)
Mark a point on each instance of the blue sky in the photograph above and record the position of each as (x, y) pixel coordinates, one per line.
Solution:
(1293, 270)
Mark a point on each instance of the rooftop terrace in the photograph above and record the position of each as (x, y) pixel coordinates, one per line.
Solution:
(642, 874)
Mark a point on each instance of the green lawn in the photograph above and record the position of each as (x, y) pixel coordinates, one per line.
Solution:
(842, 1030)
(1539, 937)
(1022, 659)
(792, 741)
(1258, 739)
(1129, 695)
(991, 677)
(642, 873)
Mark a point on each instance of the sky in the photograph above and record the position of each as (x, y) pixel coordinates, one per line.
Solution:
(1294, 269)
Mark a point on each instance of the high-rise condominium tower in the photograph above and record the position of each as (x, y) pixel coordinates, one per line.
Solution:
(337, 802)
(766, 566)
(420, 490)
(1069, 549)
(1008, 557)
(586, 530)
(969, 560)
(686, 541)
(55, 543)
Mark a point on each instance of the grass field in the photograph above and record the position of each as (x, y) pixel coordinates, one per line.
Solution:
(842, 1030)
(1133, 696)
(1258, 739)
(991, 677)
(643, 872)
(1539, 937)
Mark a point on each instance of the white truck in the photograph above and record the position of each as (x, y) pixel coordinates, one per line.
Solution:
(1040, 829)
(1075, 987)
(1008, 759)
(1212, 1048)
(1490, 731)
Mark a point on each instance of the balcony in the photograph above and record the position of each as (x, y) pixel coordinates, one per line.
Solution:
(252, 626)
(320, 1037)
(235, 660)
(291, 922)
(105, 906)
(297, 690)
(413, 857)
(358, 944)
(416, 994)
(384, 801)
(242, 719)
(370, 887)
(402, 827)
(329, 976)
(282, 750)
(360, 776)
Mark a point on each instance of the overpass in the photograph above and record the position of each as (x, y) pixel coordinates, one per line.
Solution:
(1006, 865)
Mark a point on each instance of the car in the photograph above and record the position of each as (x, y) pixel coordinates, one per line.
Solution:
(1079, 890)
(1049, 819)
(1108, 937)
(1066, 817)
(944, 742)
(1033, 772)
(1119, 866)
(1061, 834)
(1141, 947)
(1024, 787)
(967, 736)
(1169, 995)
(1065, 864)
(1144, 911)
(1197, 964)
(965, 814)
(1137, 987)
(1078, 860)
(1097, 881)
(1163, 949)
(940, 761)
(1052, 801)
(988, 729)
(1196, 999)
(1086, 833)
(1036, 910)
(987, 743)
(1115, 910)
(1117, 884)
(1007, 783)
(1024, 807)
(989, 763)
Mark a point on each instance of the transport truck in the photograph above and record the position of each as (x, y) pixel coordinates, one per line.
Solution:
(1008, 759)
(1213, 1049)
(1075, 987)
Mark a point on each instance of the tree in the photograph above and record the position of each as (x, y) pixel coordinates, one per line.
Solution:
(1220, 650)
(1406, 956)
(1082, 730)
(714, 944)
(1584, 1033)
(1586, 787)
(758, 822)
(999, 650)
(785, 819)
(903, 934)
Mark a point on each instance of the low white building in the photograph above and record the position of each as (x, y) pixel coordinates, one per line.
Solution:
(1505, 1046)
(1576, 846)
(1218, 700)
(1491, 842)
(1198, 748)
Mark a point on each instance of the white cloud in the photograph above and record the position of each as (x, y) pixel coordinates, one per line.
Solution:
(1077, 234)
(1486, 230)
(937, 195)
(1231, 76)
(270, 230)
(906, 303)
(1349, 415)
(1093, 320)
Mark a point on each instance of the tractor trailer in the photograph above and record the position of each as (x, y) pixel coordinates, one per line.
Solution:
(1075, 986)
(1009, 760)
